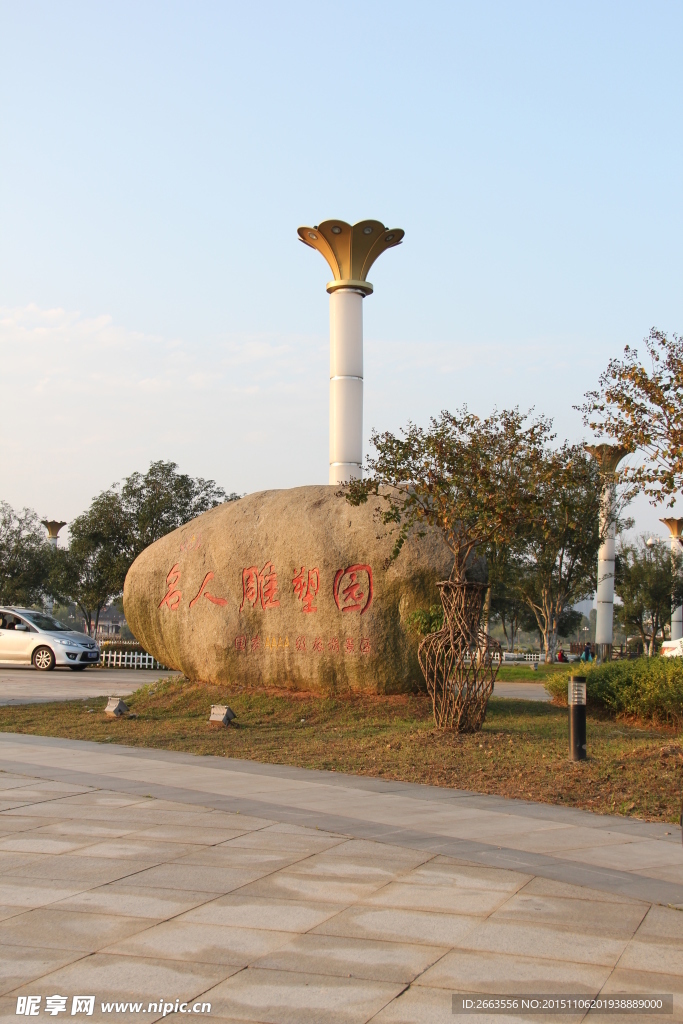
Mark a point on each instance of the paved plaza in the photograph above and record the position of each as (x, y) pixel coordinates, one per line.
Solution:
(278, 894)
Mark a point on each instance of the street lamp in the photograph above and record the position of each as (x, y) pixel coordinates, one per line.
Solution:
(350, 252)
(608, 457)
(53, 527)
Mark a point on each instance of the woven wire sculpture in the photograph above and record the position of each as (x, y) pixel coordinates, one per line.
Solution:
(458, 661)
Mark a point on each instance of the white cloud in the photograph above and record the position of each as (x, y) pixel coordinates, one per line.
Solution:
(86, 401)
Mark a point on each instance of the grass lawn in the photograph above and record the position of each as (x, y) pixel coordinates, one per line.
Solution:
(523, 672)
(521, 751)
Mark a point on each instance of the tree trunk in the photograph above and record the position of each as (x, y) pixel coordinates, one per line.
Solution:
(486, 611)
(505, 632)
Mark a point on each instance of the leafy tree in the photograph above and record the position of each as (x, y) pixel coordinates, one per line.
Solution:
(558, 553)
(120, 523)
(646, 578)
(24, 557)
(507, 603)
(642, 408)
(469, 477)
(92, 570)
(161, 500)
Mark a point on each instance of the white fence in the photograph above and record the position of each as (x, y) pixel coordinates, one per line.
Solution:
(129, 659)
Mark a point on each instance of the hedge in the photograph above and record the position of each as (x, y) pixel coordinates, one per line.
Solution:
(645, 688)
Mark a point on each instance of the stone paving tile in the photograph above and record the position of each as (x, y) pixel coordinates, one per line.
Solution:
(133, 901)
(302, 830)
(566, 838)
(190, 833)
(101, 799)
(19, 965)
(7, 912)
(284, 997)
(357, 912)
(392, 859)
(253, 912)
(130, 848)
(115, 977)
(35, 892)
(213, 818)
(435, 1006)
(14, 862)
(47, 788)
(299, 884)
(617, 920)
(38, 843)
(57, 810)
(376, 871)
(281, 842)
(95, 829)
(646, 983)
(181, 939)
(216, 880)
(437, 898)
(463, 970)
(385, 924)
(634, 856)
(674, 873)
(443, 870)
(230, 856)
(55, 928)
(90, 871)
(9, 781)
(548, 887)
(657, 946)
(352, 958)
(10, 824)
(549, 940)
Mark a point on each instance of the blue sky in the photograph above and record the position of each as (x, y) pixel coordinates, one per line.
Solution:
(157, 158)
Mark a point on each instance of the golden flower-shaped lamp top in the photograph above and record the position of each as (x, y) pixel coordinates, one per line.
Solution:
(608, 456)
(675, 527)
(53, 527)
(351, 250)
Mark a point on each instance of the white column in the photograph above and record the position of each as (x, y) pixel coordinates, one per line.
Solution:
(346, 385)
(676, 613)
(605, 599)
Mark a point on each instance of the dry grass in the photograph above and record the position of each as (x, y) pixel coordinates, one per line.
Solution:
(521, 751)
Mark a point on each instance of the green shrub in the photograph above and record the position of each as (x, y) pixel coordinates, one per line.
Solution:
(646, 688)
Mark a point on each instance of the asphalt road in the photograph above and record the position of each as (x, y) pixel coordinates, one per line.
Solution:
(521, 691)
(24, 685)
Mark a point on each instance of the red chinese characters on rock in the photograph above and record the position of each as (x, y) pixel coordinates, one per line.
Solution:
(172, 596)
(260, 586)
(306, 587)
(204, 592)
(353, 589)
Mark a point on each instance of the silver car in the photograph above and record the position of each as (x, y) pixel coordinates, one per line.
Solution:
(33, 638)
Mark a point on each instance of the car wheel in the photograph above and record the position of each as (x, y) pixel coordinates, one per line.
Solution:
(78, 668)
(43, 659)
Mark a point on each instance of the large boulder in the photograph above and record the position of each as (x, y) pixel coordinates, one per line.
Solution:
(290, 588)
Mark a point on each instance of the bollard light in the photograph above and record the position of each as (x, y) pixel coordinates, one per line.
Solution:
(115, 707)
(221, 714)
(576, 699)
